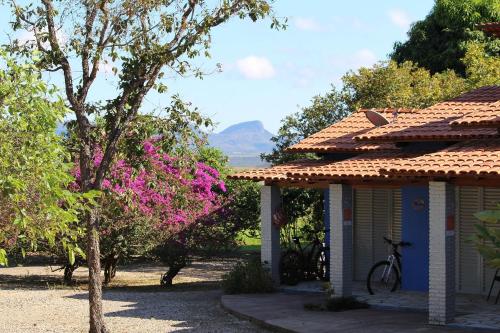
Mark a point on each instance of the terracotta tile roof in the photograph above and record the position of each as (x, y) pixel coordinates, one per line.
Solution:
(433, 123)
(362, 166)
(339, 136)
(469, 158)
(493, 28)
(366, 165)
(486, 117)
(275, 173)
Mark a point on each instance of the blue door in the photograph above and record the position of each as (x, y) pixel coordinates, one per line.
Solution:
(415, 229)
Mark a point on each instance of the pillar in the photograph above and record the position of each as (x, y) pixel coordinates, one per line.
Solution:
(341, 249)
(270, 235)
(441, 253)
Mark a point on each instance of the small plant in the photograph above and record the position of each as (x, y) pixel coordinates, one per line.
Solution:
(336, 304)
(487, 237)
(247, 278)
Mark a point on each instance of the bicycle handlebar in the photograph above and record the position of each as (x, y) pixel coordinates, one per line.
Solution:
(402, 244)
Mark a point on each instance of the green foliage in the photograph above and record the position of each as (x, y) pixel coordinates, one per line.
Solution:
(388, 84)
(487, 237)
(325, 110)
(35, 203)
(438, 42)
(242, 200)
(248, 278)
(481, 69)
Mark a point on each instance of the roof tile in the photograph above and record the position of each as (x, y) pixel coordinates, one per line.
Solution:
(339, 136)
(469, 158)
(433, 123)
(488, 116)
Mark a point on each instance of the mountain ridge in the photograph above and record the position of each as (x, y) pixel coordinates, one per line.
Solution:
(243, 143)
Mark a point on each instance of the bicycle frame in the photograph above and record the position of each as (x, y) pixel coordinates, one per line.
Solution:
(308, 252)
(394, 260)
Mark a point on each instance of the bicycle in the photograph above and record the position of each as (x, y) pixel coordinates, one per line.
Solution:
(304, 263)
(386, 274)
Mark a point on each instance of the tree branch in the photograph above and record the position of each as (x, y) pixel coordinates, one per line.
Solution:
(59, 57)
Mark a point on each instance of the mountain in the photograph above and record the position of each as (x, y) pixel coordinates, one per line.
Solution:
(243, 143)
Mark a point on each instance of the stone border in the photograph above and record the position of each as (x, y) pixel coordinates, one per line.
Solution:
(258, 322)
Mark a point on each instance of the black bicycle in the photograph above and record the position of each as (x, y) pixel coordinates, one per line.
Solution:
(385, 275)
(304, 263)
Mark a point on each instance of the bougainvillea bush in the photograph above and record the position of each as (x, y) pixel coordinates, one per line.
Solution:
(151, 199)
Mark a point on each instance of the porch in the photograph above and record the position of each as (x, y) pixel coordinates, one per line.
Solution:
(471, 311)
(433, 269)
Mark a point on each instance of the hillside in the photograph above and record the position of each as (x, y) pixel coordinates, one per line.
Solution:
(243, 143)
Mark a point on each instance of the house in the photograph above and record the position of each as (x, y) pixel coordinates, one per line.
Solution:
(419, 178)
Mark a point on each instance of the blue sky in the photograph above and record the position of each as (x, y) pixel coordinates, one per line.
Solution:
(268, 74)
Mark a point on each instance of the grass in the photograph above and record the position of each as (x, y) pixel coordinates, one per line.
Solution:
(249, 244)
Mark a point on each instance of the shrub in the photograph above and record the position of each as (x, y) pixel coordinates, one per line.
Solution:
(248, 278)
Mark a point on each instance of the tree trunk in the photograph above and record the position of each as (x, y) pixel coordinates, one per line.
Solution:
(168, 278)
(95, 282)
(69, 269)
(110, 268)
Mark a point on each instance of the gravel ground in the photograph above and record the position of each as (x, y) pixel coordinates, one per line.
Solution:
(133, 303)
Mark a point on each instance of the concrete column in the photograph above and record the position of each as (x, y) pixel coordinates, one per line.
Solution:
(341, 249)
(441, 253)
(270, 235)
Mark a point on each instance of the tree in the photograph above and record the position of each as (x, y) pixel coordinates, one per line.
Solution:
(161, 198)
(388, 84)
(146, 39)
(480, 68)
(438, 42)
(35, 204)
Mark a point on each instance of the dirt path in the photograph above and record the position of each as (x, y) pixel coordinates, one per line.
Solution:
(31, 300)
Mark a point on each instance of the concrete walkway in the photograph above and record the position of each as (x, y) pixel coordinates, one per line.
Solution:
(285, 313)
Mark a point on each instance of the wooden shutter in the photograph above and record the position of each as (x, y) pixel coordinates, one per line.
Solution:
(381, 223)
(490, 200)
(396, 215)
(376, 215)
(469, 266)
(362, 233)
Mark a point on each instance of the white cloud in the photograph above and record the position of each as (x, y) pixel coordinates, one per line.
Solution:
(360, 58)
(400, 18)
(307, 24)
(364, 57)
(256, 68)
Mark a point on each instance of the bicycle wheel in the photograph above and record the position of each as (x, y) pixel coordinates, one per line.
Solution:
(382, 278)
(291, 268)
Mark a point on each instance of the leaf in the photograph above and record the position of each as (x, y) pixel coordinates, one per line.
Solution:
(488, 216)
(3, 258)
(71, 256)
